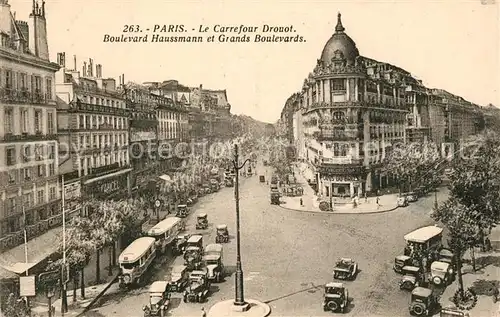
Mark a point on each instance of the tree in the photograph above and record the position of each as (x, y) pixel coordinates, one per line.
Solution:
(414, 164)
(475, 181)
(459, 220)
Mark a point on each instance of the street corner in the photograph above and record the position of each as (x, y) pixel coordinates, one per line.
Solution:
(253, 308)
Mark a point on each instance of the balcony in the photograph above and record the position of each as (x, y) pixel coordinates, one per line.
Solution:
(143, 123)
(103, 170)
(337, 136)
(26, 137)
(23, 96)
(340, 161)
(87, 107)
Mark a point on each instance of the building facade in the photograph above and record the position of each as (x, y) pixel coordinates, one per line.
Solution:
(29, 191)
(143, 131)
(93, 133)
(354, 109)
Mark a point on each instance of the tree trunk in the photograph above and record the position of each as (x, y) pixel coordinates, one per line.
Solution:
(82, 283)
(75, 285)
(98, 266)
(473, 259)
(459, 274)
(110, 262)
(114, 252)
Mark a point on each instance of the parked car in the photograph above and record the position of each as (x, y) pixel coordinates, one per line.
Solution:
(222, 234)
(345, 269)
(423, 302)
(336, 297)
(159, 299)
(178, 278)
(182, 211)
(441, 274)
(402, 201)
(412, 276)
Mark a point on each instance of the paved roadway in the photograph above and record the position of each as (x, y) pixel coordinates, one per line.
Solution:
(287, 257)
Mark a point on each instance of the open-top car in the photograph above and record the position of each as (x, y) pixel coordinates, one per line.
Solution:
(345, 269)
(222, 234)
(423, 302)
(198, 287)
(159, 299)
(401, 261)
(202, 221)
(442, 273)
(178, 278)
(179, 244)
(182, 211)
(193, 258)
(336, 297)
(412, 276)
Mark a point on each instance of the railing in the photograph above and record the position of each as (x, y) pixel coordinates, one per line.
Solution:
(338, 136)
(96, 171)
(83, 106)
(11, 95)
(340, 160)
(10, 137)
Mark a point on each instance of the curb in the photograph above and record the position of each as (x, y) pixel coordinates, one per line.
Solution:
(98, 297)
(340, 213)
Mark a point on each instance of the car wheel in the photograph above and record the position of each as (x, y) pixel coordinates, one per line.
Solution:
(418, 309)
(436, 280)
(333, 306)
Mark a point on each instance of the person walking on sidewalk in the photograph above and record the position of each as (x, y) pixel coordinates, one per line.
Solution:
(378, 202)
(203, 312)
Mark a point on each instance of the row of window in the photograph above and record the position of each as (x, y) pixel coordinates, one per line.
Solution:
(95, 121)
(168, 129)
(10, 79)
(29, 153)
(103, 101)
(31, 173)
(167, 115)
(13, 224)
(88, 163)
(30, 120)
(102, 140)
(28, 200)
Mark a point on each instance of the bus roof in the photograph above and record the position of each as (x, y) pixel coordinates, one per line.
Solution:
(162, 226)
(214, 247)
(136, 249)
(423, 234)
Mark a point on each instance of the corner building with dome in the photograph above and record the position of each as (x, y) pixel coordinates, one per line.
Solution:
(353, 109)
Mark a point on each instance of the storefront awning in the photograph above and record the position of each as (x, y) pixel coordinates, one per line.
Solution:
(39, 249)
(107, 176)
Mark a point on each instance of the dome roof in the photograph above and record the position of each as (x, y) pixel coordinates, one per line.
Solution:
(339, 42)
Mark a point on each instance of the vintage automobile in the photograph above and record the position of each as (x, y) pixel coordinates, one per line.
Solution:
(345, 269)
(402, 201)
(182, 211)
(193, 258)
(410, 196)
(441, 273)
(446, 256)
(178, 278)
(198, 287)
(179, 244)
(159, 299)
(423, 302)
(202, 221)
(206, 189)
(275, 198)
(336, 297)
(222, 234)
(401, 261)
(412, 276)
(214, 185)
(213, 258)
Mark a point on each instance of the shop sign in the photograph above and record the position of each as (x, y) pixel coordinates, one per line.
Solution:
(27, 286)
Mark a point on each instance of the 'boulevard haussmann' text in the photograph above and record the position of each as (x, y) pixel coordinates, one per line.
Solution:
(222, 38)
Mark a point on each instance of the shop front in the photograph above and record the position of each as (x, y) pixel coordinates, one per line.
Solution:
(113, 185)
(342, 181)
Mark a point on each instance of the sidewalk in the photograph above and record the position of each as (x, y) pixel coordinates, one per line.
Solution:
(78, 307)
(488, 269)
(311, 202)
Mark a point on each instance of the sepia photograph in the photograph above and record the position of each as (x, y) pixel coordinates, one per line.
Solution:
(230, 158)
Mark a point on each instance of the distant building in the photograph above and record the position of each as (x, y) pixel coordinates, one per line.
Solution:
(29, 191)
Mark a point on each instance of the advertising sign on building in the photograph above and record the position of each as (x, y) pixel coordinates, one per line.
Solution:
(72, 190)
(27, 286)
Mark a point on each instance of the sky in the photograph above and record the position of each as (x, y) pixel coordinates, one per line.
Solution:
(449, 44)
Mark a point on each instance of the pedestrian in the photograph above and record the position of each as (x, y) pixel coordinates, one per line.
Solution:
(378, 202)
(203, 312)
(366, 198)
(301, 202)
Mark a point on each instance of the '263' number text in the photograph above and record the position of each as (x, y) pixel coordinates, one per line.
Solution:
(131, 28)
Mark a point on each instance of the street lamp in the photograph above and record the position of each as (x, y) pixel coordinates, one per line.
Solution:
(239, 299)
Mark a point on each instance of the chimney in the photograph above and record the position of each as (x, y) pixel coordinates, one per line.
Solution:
(84, 72)
(123, 79)
(91, 67)
(98, 71)
(61, 59)
(74, 62)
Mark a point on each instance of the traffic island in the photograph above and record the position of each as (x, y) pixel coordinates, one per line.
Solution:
(228, 309)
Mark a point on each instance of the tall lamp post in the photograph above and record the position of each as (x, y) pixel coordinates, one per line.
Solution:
(239, 298)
